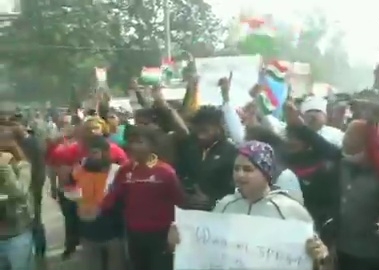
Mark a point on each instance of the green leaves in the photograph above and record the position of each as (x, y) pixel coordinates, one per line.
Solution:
(67, 39)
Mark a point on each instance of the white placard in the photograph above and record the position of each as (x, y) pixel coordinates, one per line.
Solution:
(122, 104)
(101, 74)
(245, 74)
(240, 242)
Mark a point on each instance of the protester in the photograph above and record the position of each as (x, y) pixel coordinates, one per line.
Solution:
(357, 240)
(116, 130)
(253, 172)
(100, 235)
(65, 156)
(284, 178)
(314, 110)
(313, 159)
(343, 185)
(16, 207)
(148, 190)
(206, 159)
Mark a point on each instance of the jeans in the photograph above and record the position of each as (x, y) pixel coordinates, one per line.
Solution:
(17, 253)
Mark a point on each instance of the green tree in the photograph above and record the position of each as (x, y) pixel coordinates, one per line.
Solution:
(55, 45)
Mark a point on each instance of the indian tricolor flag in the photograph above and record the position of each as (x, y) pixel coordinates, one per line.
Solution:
(257, 26)
(151, 75)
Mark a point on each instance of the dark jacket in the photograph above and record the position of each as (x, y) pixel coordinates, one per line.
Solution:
(212, 172)
(317, 170)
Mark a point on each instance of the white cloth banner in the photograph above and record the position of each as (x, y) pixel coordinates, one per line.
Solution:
(121, 104)
(245, 75)
(240, 242)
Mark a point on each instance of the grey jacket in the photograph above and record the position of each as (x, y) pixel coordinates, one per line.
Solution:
(357, 232)
(277, 204)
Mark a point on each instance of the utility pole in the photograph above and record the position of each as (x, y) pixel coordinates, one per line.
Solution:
(167, 29)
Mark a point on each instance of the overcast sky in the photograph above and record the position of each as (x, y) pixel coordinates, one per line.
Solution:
(357, 18)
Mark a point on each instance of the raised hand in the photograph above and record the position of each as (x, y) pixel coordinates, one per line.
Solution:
(293, 115)
(224, 84)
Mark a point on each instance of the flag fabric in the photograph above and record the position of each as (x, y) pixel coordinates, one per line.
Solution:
(275, 89)
(257, 26)
(257, 35)
(151, 75)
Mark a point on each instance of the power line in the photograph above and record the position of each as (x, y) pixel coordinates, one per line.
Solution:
(34, 47)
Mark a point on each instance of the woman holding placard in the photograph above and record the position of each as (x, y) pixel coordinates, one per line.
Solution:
(253, 174)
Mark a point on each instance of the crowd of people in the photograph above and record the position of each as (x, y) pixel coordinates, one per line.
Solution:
(118, 183)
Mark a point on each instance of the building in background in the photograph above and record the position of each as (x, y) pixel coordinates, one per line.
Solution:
(9, 9)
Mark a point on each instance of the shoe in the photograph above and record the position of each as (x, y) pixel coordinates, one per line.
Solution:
(67, 253)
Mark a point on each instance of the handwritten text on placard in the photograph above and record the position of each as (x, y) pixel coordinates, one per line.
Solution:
(238, 242)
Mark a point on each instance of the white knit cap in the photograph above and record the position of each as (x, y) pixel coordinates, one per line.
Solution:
(314, 104)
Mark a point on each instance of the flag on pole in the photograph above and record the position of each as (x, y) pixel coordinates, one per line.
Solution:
(257, 35)
(257, 26)
(275, 88)
(151, 75)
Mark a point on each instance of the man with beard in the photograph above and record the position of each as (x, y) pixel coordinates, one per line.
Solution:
(100, 234)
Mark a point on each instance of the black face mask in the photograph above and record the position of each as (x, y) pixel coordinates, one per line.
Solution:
(96, 165)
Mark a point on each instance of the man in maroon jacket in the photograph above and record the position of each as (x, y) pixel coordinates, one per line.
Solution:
(149, 190)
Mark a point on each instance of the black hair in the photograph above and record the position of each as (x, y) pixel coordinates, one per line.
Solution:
(148, 113)
(265, 135)
(208, 115)
(99, 142)
(75, 120)
(103, 109)
(91, 112)
(151, 134)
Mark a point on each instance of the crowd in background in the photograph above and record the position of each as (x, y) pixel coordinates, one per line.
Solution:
(117, 182)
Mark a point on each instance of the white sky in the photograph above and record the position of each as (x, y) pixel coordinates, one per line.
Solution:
(357, 18)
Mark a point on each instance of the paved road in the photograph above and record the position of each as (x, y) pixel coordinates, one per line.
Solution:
(53, 221)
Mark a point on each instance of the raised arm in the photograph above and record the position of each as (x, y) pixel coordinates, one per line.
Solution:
(232, 120)
(318, 143)
(178, 125)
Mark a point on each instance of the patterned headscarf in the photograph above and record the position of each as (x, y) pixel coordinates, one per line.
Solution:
(261, 155)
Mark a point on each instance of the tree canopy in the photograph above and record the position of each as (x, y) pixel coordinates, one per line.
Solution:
(55, 45)
(318, 43)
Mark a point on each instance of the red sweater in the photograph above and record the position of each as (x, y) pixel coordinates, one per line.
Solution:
(73, 153)
(373, 146)
(148, 194)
